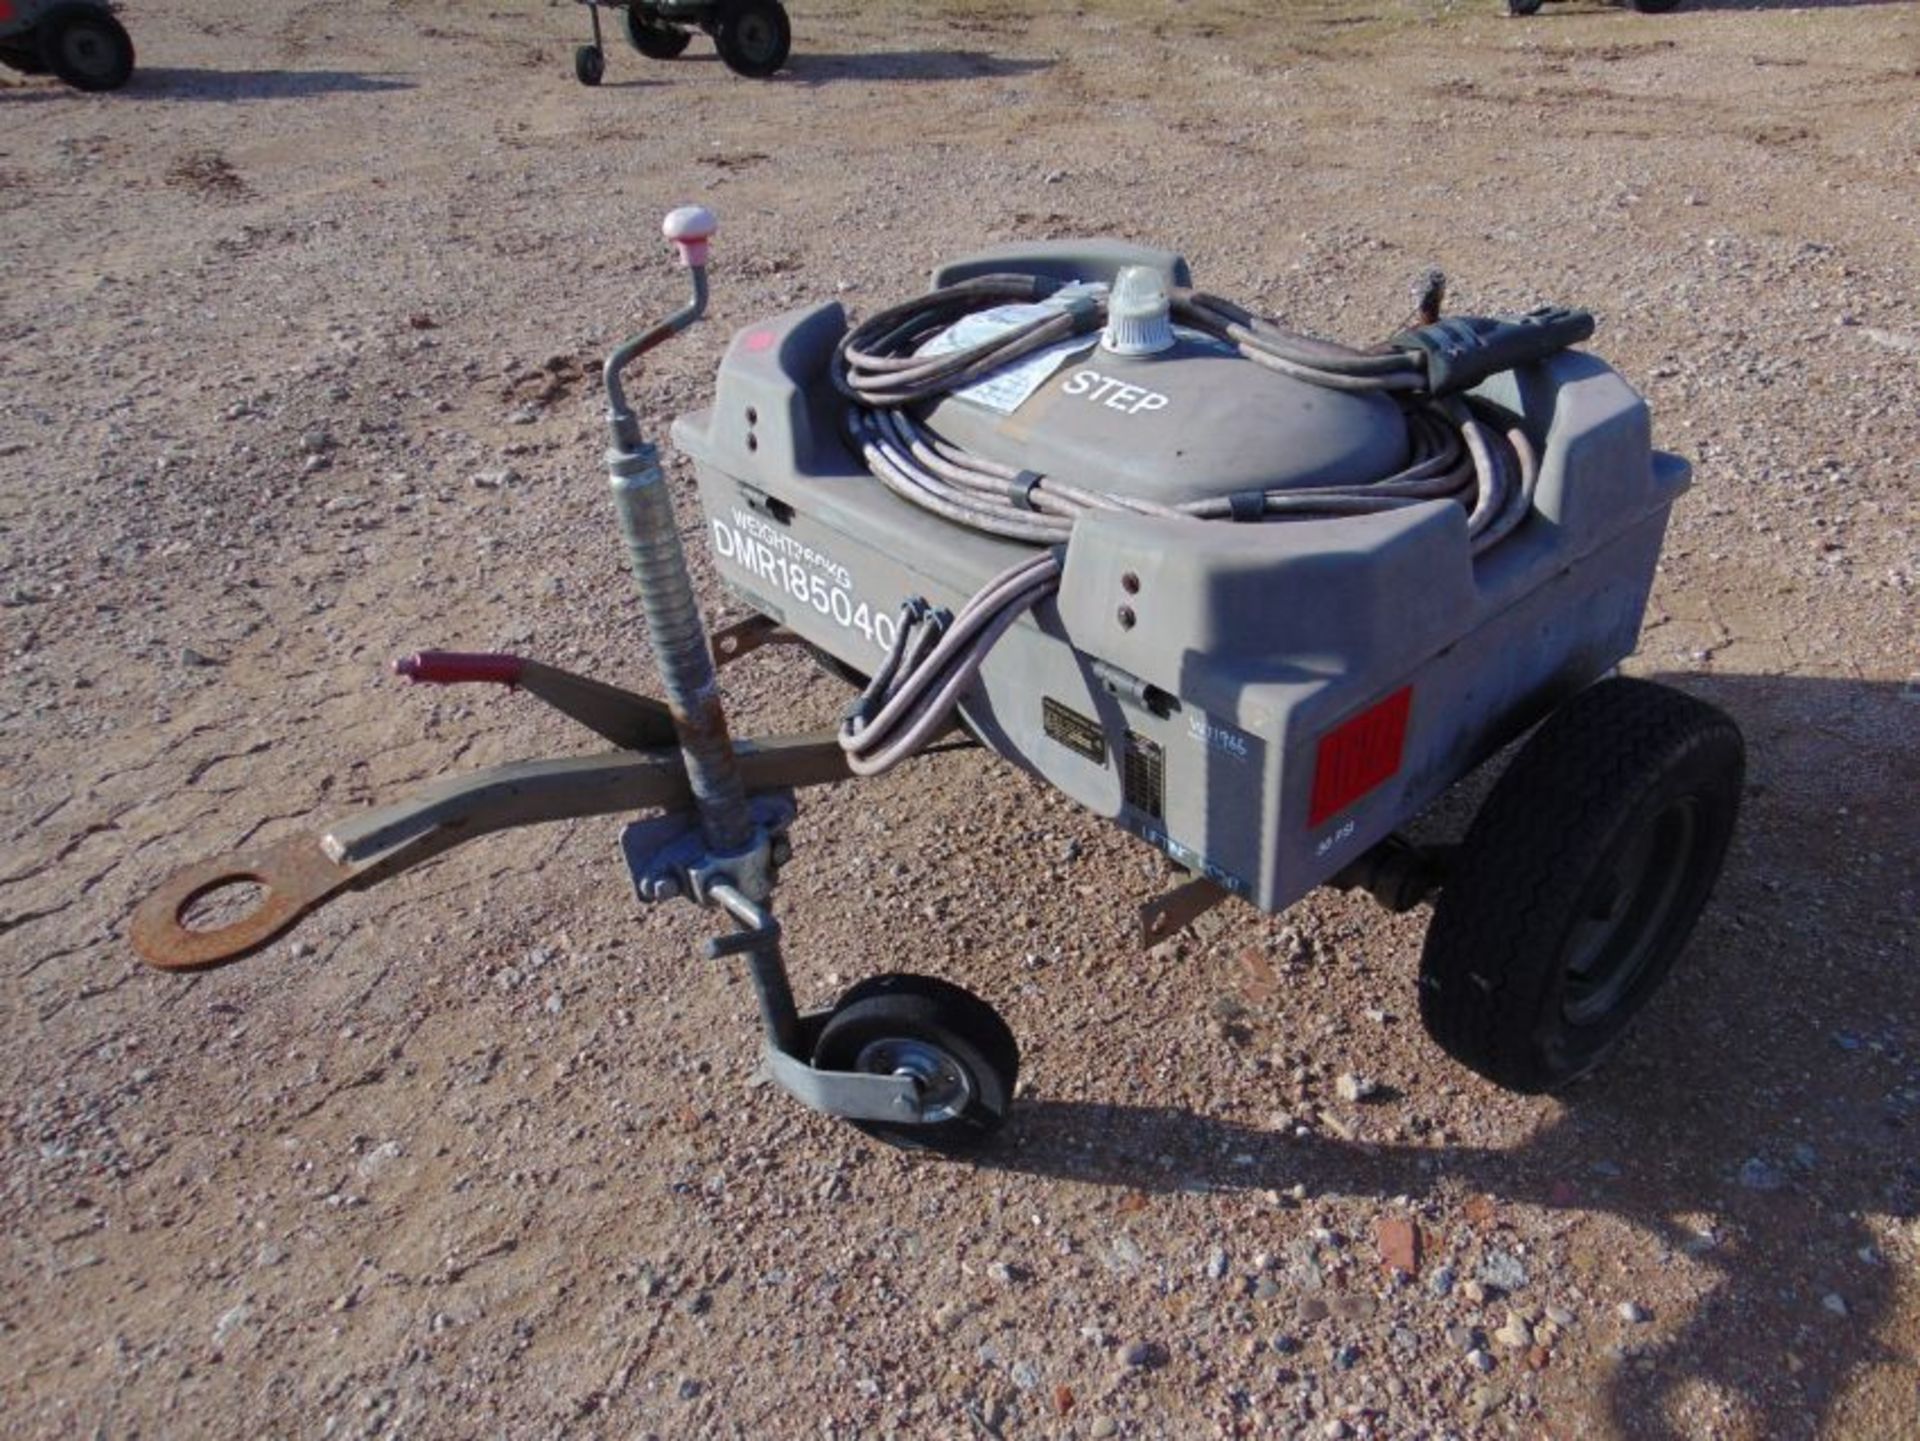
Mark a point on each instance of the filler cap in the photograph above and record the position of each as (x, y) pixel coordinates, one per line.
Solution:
(1139, 316)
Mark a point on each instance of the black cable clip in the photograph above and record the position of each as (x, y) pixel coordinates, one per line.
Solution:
(1021, 488)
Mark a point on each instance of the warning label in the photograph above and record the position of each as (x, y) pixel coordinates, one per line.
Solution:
(1007, 389)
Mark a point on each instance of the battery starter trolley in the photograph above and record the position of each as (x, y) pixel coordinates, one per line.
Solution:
(1258, 598)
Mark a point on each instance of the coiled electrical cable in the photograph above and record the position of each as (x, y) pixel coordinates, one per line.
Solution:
(1456, 453)
(932, 662)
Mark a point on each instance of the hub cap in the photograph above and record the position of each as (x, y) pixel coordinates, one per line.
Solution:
(1626, 916)
(757, 37)
(86, 51)
(943, 1083)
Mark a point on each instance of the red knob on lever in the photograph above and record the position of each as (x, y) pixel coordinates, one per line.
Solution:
(453, 667)
(690, 228)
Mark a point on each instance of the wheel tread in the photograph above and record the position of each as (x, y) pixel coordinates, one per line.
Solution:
(1528, 851)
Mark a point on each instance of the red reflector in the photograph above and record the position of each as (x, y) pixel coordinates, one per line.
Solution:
(1358, 754)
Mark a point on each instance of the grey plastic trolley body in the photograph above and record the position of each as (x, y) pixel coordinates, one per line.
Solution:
(1262, 702)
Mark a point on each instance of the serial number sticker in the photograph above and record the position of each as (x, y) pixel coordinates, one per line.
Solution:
(1217, 735)
(1007, 389)
(795, 570)
(1189, 857)
(1339, 837)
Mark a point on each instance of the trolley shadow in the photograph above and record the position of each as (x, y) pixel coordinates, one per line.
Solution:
(196, 83)
(812, 67)
(1776, 1085)
(1595, 7)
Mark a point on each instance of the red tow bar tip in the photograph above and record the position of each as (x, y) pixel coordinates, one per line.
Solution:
(454, 667)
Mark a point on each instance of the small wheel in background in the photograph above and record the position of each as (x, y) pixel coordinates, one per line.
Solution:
(86, 47)
(652, 38)
(589, 64)
(753, 37)
(953, 1046)
(1579, 882)
(1523, 7)
(1654, 7)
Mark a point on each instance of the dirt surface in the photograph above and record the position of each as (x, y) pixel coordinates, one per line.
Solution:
(298, 352)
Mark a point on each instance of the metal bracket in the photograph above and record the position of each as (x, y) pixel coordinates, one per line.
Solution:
(743, 637)
(304, 871)
(667, 855)
(1396, 872)
(1129, 689)
(791, 1037)
(850, 1095)
(1165, 916)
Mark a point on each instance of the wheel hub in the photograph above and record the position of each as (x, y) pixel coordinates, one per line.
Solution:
(1627, 911)
(943, 1083)
(757, 38)
(85, 51)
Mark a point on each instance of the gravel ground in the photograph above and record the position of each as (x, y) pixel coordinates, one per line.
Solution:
(297, 339)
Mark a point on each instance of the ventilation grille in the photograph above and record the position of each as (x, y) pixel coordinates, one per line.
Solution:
(1143, 776)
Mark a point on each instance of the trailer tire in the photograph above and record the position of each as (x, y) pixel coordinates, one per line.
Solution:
(1655, 7)
(935, 1030)
(589, 64)
(1579, 882)
(86, 47)
(653, 38)
(1524, 7)
(23, 55)
(753, 37)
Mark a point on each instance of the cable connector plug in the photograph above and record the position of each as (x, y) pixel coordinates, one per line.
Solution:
(1463, 350)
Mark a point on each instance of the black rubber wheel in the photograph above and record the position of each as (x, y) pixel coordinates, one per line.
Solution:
(23, 56)
(1523, 7)
(753, 37)
(86, 47)
(949, 1040)
(1579, 882)
(589, 64)
(654, 39)
(1654, 7)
